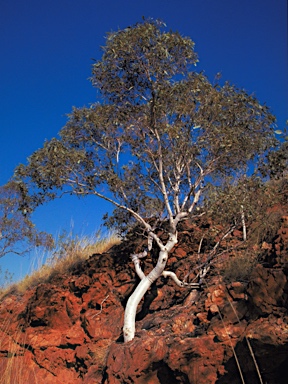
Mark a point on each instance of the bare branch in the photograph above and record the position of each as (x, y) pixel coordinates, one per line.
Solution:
(135, 258)
(101, 307)
(179, 282)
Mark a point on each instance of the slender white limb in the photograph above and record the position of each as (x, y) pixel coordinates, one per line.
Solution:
(203, 272)
(101, 308)
(180, 216)
(140, 255)
(118, 150)
(193, 188)
(243, 223)
(136, 261)
(200, 245)
(150, 241)
(200, 275)
(162, 182)
(179, 282)
(195, 200)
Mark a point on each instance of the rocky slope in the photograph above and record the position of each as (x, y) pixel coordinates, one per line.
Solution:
(70, 329)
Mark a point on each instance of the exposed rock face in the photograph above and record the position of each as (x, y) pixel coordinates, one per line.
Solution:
(70, 330)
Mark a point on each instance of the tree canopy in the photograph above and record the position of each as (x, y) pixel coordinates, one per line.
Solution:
(158, 133)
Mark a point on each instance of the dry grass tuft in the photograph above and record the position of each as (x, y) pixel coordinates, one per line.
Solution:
(68, 251)
(239, 266)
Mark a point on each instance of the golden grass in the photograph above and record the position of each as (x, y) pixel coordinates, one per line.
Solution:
(14, 365)
(68, 251)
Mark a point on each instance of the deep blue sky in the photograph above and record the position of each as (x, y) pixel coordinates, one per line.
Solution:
(46, 50)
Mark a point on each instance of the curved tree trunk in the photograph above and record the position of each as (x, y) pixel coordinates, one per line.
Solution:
(142, 288)
(135, 298)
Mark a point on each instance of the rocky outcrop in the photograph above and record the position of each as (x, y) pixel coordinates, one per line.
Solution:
(70, 329)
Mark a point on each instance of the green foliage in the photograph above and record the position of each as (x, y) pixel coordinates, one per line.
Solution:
(141, 60)
(277, 164)
(262, 205)
(227, 202)
(251, 199)
(17, 232)
(160, 132)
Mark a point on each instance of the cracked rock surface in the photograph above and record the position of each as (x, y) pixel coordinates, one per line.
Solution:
(70, 329)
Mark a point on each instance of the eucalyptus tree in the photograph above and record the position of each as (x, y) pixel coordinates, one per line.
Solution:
(157, 133)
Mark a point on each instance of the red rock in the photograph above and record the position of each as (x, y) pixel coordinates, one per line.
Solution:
(267, 289)
(237, 290)
(202, 316)
(179, 252)
(70, 329)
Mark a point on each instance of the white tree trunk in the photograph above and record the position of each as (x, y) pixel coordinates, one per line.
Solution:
(142, 288)
(243, 223)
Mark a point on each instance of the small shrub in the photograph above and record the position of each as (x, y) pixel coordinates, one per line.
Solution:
(266, 228)
(239, 266)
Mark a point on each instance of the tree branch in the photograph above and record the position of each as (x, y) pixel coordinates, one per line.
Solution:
(135, 258)
(179, 282)
(162, 182)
